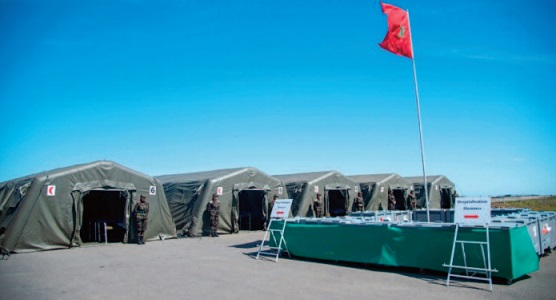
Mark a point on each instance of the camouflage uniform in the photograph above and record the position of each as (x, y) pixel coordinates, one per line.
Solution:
(214, 215)
(269, 213)
(318, 206)
(359, 201)
(271, 204)
(391, 200)
(411, 200)
(142, 218)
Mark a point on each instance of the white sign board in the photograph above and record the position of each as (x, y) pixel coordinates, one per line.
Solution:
(281, 208)
(152, 190)
(219, 191)
(472, 210)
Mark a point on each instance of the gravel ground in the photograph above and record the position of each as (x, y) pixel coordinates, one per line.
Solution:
(225, 268)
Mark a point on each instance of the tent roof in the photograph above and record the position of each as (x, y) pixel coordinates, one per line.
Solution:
(305, 177)
(206, 175)
(373, 178)
(78, 167)
(430, 179)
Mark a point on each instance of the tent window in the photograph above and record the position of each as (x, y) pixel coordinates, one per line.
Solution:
(252, 209)
(104, 206)
(337, 203)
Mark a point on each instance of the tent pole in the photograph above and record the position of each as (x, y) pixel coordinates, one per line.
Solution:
(419, 121)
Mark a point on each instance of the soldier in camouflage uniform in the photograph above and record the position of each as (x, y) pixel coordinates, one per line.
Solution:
(391, 200)
(359, 201)
(411, 200)
(214, 214)
(271, 204)
(142, 217)
(270, 207)
(318, 206)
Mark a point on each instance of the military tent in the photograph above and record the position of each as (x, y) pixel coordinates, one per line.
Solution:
(338, 190)
(67, 207)
(441, 191)
(374, 188)
(244, 194)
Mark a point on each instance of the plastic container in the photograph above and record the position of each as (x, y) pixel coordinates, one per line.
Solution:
(532, 228)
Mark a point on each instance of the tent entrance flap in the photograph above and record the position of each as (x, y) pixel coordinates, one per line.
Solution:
(252, 209)
(100, 207)
(337, 202)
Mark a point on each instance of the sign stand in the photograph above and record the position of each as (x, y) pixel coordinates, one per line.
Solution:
(472, 211)
(280, 211)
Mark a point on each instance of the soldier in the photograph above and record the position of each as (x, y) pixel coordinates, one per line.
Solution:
(454, 196)
(142, 217)
(359, 201)
(271, 204)
(214, 214)
(269, 213)
(318, 206)
(411, 200)
(391, 200)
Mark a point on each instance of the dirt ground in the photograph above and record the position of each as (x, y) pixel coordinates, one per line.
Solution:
(225, 268)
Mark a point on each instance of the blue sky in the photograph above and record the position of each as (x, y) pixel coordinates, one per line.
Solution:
(285, 86)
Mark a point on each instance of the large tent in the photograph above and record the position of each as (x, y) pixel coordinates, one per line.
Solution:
(441, 191)
(244, 194)
(67, 207)
(374, 188)
(338, 190)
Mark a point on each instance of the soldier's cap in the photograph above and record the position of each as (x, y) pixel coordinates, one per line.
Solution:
(319, 194)
(215, 195)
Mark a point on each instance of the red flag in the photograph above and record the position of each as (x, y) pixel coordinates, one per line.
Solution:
(398, 37)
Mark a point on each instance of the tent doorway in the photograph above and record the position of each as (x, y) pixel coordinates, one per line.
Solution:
(399, 195)
(366, 191)
(252, 209)
(337, 202)
(100, 207)
(446, 198)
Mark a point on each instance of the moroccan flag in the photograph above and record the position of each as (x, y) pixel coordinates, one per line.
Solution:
(398, 37)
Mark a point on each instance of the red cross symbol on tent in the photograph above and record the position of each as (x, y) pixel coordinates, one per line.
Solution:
(51, 190)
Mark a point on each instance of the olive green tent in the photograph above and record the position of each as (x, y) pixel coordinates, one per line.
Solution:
(338, 190)
(67, 207)
(243, 194)
(441, 191)
(374, 188)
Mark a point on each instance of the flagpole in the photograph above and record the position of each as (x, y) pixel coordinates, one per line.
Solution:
(419, 120)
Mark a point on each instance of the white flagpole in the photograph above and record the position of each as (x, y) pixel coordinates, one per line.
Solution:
(419, 120)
